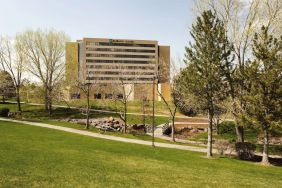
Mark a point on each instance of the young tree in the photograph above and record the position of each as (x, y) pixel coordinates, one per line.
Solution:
(241, 20)
(45, 51)
(13, 60)
(124, 91)
(204, 59)
(122, 94)
(173, 104)
(85, 87)
(264, 80)
(144, 105)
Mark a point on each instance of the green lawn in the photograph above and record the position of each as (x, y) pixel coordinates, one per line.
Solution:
(39, 157)
(37, 113)
(133, 106)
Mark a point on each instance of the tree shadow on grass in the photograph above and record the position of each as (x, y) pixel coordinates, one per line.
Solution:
(275, 161)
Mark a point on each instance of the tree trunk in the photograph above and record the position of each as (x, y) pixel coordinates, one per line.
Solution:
(209, 145)
(3, 98)
(217, 126)
(19, 100)
(265, 159)
(46, 100)
(239, 132)
(125, 116)
(27, 97)
(50, 102)
(173, 130)
(153, 123)
(87, 110)
(143, 109)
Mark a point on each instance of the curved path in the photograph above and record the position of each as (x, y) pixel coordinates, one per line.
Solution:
(115, 138)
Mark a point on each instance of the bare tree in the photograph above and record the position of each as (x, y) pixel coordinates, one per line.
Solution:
(173, 104)
(85, 87)
(13, 60)
(144, 106)
(45, 51)
(123, 89)
(122, 94)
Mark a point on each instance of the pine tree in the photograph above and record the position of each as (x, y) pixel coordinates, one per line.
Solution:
(264, 81)
(206, 59)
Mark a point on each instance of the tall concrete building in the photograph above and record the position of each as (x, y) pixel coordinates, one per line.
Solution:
(110, 64)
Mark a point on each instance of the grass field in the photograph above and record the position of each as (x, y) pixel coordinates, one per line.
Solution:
(38, 157)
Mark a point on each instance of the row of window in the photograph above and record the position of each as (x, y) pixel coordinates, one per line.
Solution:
(117, 61)
(98, 96)
(120, 73)
(121, 79)
(119, 50)
(107, 96)
(120, 56)
(119, 67)
(118, 44)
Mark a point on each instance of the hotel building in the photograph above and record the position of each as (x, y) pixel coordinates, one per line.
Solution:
(110, 63)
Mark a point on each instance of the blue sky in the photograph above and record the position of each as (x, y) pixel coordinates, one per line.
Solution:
(167, 21)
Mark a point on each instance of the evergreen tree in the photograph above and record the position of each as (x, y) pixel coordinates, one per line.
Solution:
(264, 81)
(206, 59)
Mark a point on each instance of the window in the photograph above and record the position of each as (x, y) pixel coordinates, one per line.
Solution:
(108, 96)
(75, 96)
(97, 96)
(120, 96)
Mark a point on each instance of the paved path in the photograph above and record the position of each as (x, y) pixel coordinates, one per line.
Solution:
(159, 134)
(97, 135)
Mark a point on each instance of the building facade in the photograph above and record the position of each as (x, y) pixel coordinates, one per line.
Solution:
(118, 67)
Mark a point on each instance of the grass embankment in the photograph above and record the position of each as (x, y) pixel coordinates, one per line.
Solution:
(37, 114)
(33, 112)
(104, 104)
(38, 157)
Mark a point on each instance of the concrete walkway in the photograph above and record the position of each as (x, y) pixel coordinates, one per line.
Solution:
(115, 138)
(159, 134)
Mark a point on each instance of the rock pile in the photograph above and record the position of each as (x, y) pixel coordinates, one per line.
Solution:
(106, 124)
(112, 124)
(139, 128)
(182, 132)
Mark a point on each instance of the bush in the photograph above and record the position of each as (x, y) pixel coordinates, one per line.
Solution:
(245, 150)
(167, 129)
(222, 146)
(226, 127)
(4, 112)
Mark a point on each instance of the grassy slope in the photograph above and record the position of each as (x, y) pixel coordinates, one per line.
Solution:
(133, 106)
(33, 156)
(37, 112)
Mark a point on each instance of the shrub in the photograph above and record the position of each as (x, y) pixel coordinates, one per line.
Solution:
(226, 127)
(245, 150)
(167, 129)
(222, 146)
(4, 112)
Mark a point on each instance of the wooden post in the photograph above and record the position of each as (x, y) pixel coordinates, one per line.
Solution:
(153, 123)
